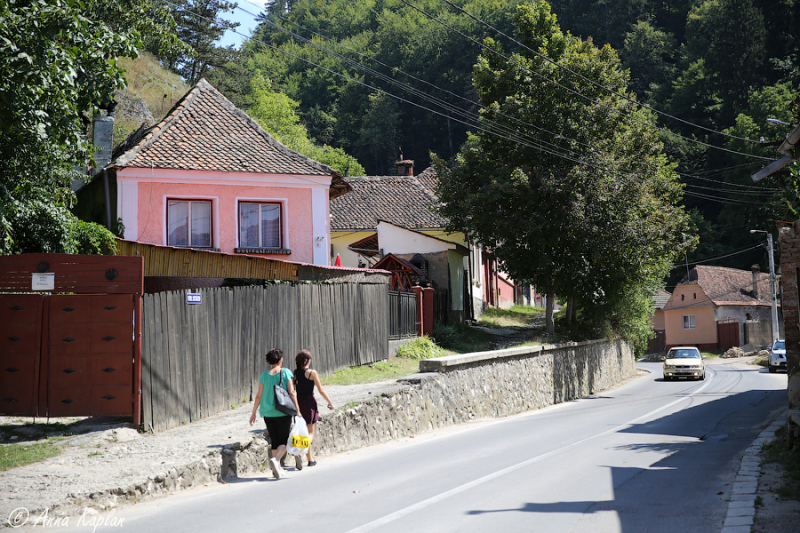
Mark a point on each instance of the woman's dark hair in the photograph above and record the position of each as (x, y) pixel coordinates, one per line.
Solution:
(302, 357)
(274, 356)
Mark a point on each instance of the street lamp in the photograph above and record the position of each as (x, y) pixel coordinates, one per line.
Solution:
(776, 122)
(775, 333)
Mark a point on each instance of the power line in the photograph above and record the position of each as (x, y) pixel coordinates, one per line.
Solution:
(421, 94)
(578, 93)
(740, 251)
(463, 112)
(581, 76)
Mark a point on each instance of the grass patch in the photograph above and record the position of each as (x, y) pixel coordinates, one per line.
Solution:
(517, 316)
(392, 368)
(457, 338)
(14, 455)
(778, 451)
(714, 354)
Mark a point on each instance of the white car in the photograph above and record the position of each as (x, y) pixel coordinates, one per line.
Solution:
(684, 361)
(777, 356)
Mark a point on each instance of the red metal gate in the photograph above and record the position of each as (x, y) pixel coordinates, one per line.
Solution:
(727, 333)
(71, 354)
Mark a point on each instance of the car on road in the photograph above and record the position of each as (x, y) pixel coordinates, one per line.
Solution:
(777, 356)
(684, 362)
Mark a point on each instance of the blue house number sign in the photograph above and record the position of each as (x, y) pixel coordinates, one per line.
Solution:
(194, 298)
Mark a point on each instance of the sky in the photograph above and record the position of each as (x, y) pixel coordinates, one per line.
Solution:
(247, 22)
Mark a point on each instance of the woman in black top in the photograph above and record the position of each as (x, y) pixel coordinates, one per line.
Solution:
(306, 379)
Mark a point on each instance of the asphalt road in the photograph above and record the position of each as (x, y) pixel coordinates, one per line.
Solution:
(649, 456)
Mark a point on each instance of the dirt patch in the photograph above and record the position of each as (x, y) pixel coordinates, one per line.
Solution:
(774, 515)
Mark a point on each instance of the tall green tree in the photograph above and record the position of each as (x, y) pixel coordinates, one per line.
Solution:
(58, 68)
(582, 201)
(200, 26)
(276, 113)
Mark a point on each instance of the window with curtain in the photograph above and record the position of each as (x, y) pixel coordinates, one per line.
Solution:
(259, 225)
(189, 223)
(688, 322)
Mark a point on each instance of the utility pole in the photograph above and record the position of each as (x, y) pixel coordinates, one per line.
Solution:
(775, 330)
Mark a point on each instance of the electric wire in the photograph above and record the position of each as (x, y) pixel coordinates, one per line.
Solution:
(578, 93)
(477, 126)
(600, 85)
(737, 252)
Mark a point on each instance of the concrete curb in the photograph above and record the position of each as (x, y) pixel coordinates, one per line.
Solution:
(742, 505)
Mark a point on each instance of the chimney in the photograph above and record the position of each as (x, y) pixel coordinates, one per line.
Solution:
(756, 271)
(405, 167)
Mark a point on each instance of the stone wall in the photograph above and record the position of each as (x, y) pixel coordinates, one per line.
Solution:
(459, 388)
(790, 263)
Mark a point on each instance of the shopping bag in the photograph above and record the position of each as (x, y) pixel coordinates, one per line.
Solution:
(298, 438)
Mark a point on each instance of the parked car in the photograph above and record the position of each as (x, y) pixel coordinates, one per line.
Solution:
(684, 361)
(777, 356)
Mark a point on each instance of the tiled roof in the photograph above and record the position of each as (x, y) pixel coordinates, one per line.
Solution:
(661, 299)
(400, 200)
(205, 131)
(428, 179)
(729, 286)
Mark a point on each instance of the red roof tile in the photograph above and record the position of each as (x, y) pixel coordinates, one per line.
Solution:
(400, 200)
(728, 286)
(205, 131)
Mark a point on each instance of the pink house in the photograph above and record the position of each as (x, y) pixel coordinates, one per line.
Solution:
(209, 177)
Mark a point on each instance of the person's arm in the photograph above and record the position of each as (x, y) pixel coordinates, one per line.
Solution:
(318, 383)
(292, 395)
(256, 403)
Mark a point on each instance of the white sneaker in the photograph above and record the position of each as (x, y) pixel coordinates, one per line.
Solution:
(275, 466)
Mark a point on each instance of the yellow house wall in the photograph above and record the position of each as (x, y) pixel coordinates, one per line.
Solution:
(704, 332)
(658, 319)
(340, 240)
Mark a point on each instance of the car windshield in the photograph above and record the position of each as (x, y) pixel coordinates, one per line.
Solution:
(779, 345)
(683, 354)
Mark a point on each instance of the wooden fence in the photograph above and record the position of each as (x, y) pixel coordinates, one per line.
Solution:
(201, 359)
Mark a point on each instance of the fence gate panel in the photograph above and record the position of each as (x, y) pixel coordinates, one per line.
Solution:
(20, 346)
(90, 355)
(727, 333)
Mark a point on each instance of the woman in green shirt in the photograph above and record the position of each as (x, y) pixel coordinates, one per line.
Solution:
(278, 424)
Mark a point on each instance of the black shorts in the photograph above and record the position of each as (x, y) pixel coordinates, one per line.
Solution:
(278, 428)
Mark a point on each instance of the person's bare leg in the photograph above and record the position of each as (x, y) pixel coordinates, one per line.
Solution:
(311, 428)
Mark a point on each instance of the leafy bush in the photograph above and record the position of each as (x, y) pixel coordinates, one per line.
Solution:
(420, 348)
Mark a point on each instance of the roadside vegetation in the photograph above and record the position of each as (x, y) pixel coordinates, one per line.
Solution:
(14, 455)
(519, 316)
(778, 451)
(447, 340)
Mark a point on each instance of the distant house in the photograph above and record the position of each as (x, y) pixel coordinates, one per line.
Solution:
(393, 214)
(710, 300)
(659, 302)
(209, 177)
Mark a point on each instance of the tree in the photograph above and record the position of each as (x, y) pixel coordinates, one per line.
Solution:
(58, 69)
(648, 53)
(200, 27)
(276, 113)
(581, 199)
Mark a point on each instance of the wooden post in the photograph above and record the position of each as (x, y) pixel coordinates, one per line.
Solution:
(137, 360)
(427, 310)
(418, 294)
(790, 263)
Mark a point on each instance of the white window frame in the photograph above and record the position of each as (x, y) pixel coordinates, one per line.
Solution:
(191, 201)
(688, 319)
(282, 204)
